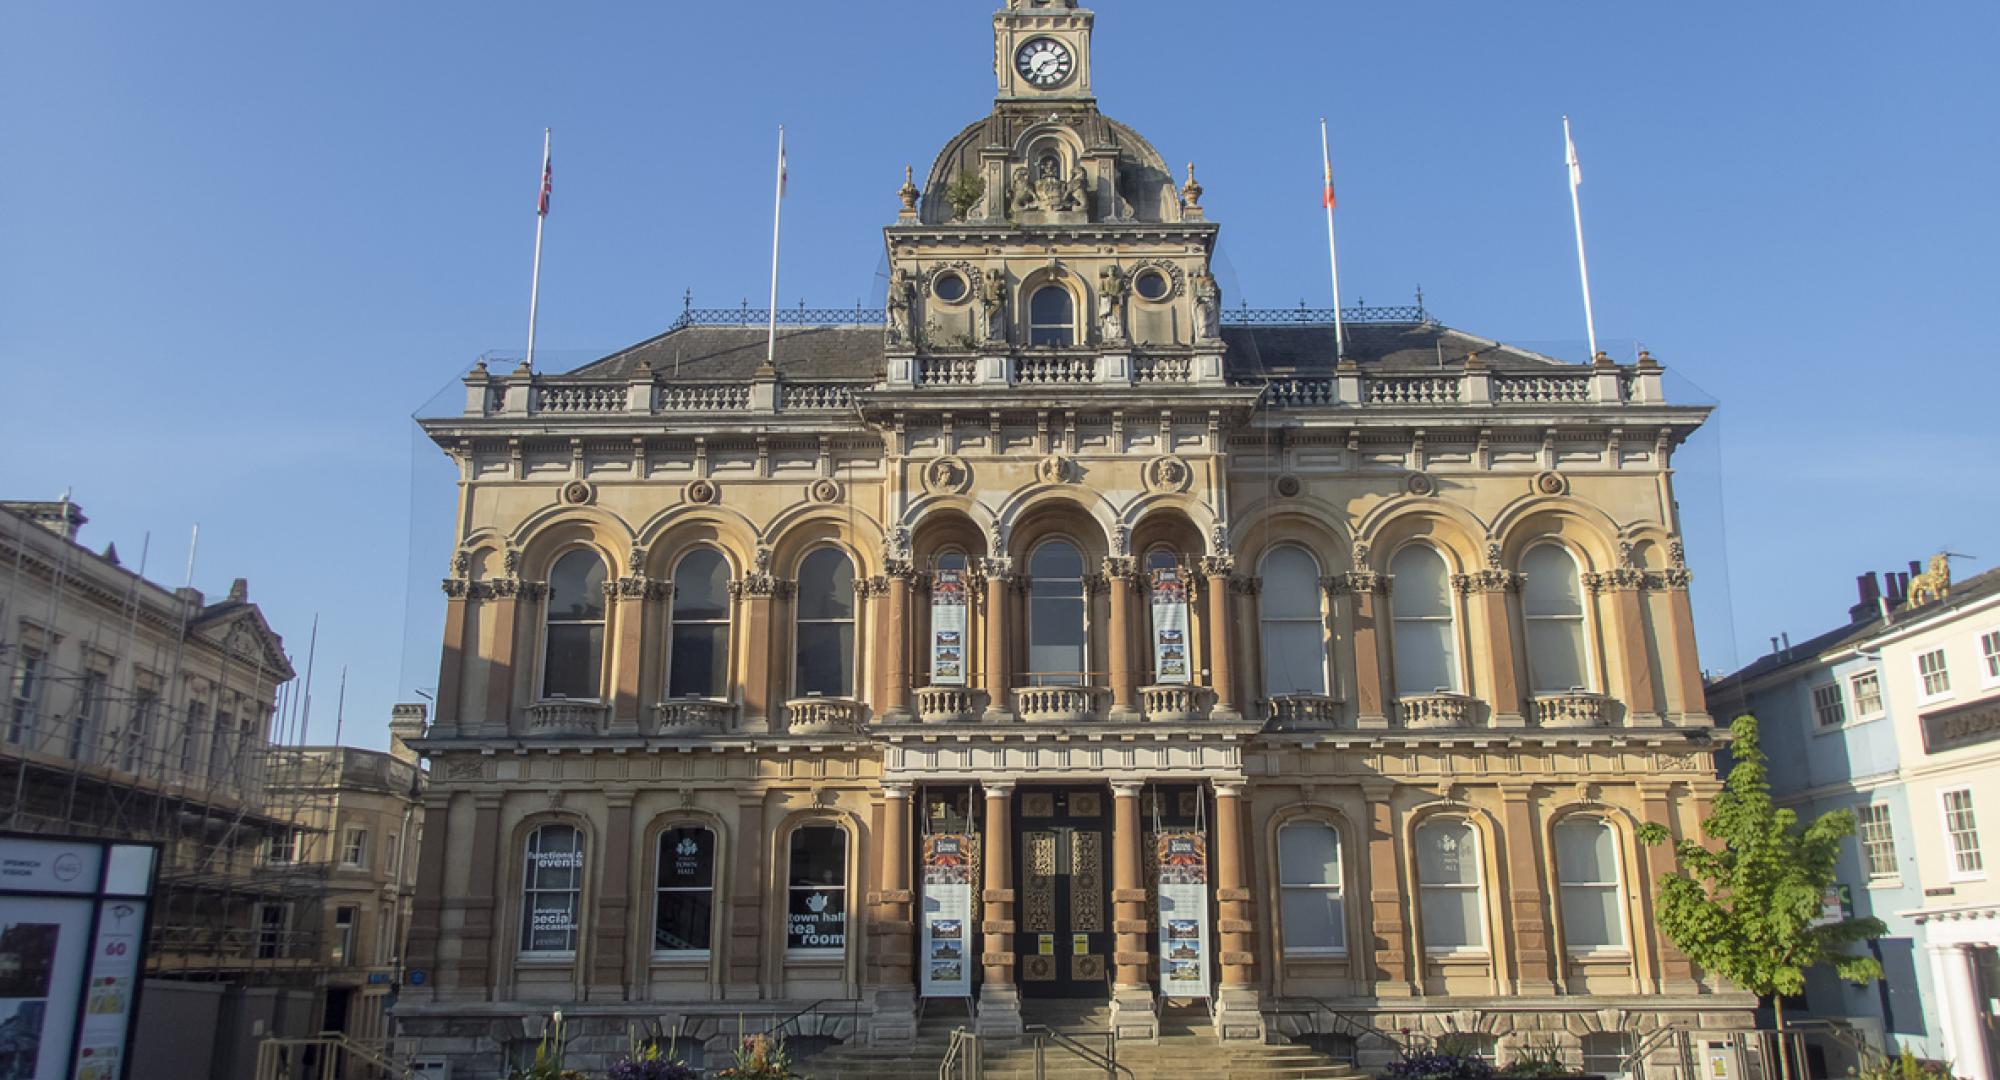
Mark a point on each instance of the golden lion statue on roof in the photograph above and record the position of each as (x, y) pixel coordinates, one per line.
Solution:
(1932, 584)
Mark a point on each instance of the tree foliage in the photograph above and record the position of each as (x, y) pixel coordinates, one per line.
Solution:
(1746, 907)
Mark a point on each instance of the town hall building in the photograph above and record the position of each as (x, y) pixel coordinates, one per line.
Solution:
(1055, 634)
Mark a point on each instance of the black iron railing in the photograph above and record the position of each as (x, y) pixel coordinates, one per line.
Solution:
(861, 315)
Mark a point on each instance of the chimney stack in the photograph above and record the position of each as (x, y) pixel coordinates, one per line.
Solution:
(406, 722)
(63, 518)
(1868, 589)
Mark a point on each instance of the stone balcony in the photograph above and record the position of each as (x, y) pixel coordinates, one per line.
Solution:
(690, 717)
(1572, 710)
(562, 716)
(1301, 712)
(824, 716)
(947, 704)
(1176, 703)
(1058, 704)
(1434, 712)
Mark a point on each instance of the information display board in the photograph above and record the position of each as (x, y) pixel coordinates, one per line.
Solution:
(1172, 663)
(948, 607)
(1184, 935)
(73, 922)
(945, 963)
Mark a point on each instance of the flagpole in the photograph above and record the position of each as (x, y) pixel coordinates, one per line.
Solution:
(1333, 259)
(777, 218)
(1576, 210)
(541, 217)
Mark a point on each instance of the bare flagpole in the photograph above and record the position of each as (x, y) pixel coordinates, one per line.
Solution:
(777, 217)
(1576, 209)
(1333, 259)
(541, 217)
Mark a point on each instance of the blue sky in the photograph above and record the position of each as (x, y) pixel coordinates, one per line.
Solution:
(244, 242)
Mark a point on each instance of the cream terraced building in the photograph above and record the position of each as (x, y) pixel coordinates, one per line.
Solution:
(1013, 585)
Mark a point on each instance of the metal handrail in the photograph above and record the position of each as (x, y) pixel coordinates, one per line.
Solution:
(965, 1052)
(1108, 1060)
(788, 1021)
(1356, 1029)
(1634, 1063)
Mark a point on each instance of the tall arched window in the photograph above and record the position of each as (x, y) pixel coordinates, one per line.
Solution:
(573, 651)
(1058, 638)
(1309, 885)
(1448, 885)
(1420, 603)
(1552, 608)
(816, 910)
(698, 656)
(825, 625)
(684, 897)
(551, 889)
(1294, 623)
(1052, 317)
(1587, 877)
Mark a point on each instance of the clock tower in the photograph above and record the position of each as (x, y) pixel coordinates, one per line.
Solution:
(1042, 51)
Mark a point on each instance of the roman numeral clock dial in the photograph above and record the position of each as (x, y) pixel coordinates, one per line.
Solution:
(1044, 62)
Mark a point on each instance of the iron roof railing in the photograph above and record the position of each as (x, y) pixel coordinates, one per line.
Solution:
(859, 315)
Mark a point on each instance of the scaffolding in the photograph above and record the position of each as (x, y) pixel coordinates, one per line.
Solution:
(102, 735)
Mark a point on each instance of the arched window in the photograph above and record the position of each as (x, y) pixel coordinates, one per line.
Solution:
(698, 655)
(573, 651)
(825, 625)
(816, 910)
(1587, 876)
(684, 907)
(551, 889)
(1052, 317)
(1293, 622)
(1448, 885)
(1552, 608)
(1309, 885)
(1058, 638)
(1420, 603)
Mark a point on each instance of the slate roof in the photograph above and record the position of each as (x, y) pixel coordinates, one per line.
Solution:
(733, 353)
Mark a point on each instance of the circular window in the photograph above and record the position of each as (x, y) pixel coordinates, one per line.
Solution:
(950, 287)
(1152, 285)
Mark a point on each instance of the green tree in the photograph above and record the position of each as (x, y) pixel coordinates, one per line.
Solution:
(1749, 909)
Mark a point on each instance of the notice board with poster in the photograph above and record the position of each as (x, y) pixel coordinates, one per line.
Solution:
(1172, 660)
(948, 607)
(1184, 933)
(73, 921)
(946, 940)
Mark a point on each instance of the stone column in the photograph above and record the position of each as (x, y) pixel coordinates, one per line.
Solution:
(1366, 589)
(609, 963)
(895, 1019)
(427, 907)
(1677, 974)
(1685, 696)
(1221, 646)
(477, 932)
(999, 708)
(1124, 676)
(504, 662)
(1642, 705)
(750, 857)
(999, 999)
(1237, 1013)
(1957, 986)
(754, 602)
(1132, 1015)
(1528, 905)
(630, 597)
(896, 702)
(1387, 919)
(1487, 592)
(451, 668)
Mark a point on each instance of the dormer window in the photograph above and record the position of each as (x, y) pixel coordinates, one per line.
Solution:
(1052, 318)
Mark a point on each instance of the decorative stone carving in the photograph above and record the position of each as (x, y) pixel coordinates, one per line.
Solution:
(949, 475)
(511, 562)
(636, 561)
(1076, 195)
(993, 303)
(1487, 581)
(461, 563)
(1493, 555)
(996, 538)
(1111, 291)
(902, 290)
(1053, 469)
(1191, 191)
(1550, 482)
(908, 192)
(823, 490)
(1176, 280)
(1288, 486)
(1628, 554)
(578, 493)
(1021, 191)
(700, 492)
(1207, 307)
(1168, 473)
(457, 588)
(1676, 553)
(1218, 538)
(1612, 580)
(1121, 539)
(1420, 484)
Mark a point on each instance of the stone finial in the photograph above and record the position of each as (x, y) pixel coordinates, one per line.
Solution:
(239, 590)
(1646, 360)
(1191, 191)
(908, 192)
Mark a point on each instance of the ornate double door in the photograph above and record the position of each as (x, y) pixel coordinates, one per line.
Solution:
(1061, 846)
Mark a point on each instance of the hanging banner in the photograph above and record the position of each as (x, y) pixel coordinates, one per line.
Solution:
(1171, 663)
(948, 628)
(1183, 892)
(947, 922)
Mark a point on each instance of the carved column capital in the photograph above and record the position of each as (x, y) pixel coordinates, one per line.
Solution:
(1487, 581)
(1218, 566)
(1367, 581)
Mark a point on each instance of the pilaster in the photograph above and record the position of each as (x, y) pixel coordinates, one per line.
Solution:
(1118, 573)
(999, 709)
(1387, 922)
(1238, 1014)
(1528, 906)
(999, 998)
(1132, 1015)
(1221, 644)
(895, 1019)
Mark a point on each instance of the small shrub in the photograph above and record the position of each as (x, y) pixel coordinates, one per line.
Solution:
(1438, 1064)
(1906, 1066)
(1537, 1063)
(761, 1058)
(648, 1061)
(548, 1063)
(964, 193)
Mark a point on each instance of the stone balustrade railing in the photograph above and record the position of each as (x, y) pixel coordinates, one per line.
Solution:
(564, 717)
(1301, 712)
(1057, 704)
(1600, 385)
(1175, 703)
(694, 716)
(946, 704)
(824, 716)
(1060, 370)
(1575, 710)
(1434, 711)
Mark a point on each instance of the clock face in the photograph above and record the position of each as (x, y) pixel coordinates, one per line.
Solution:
(1044, 62)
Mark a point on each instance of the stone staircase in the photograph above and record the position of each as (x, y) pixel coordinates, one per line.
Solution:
(1187, 1049)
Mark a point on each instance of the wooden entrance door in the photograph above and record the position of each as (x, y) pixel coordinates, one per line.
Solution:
(1062, 852)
